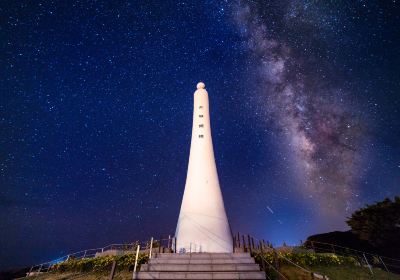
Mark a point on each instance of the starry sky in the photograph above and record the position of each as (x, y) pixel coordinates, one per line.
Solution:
(96, 114)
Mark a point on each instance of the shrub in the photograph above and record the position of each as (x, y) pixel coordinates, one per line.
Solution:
(100, 263)
(307, 258)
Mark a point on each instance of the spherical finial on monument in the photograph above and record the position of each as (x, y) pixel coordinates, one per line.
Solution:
(201, 85)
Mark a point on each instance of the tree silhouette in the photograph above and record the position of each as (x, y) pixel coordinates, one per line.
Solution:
(379, 224)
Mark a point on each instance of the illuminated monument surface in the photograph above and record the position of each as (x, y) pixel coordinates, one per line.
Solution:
(203, 224)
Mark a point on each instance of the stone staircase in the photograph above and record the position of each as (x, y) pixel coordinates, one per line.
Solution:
(201, 266)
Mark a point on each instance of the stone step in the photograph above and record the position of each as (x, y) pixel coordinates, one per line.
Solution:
(200, 267)
(201, 261)
(203, 255)
(200, 275)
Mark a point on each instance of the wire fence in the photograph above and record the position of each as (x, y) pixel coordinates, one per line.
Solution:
(160, 245)
(241, 243)
(258, 248)
(364, 258)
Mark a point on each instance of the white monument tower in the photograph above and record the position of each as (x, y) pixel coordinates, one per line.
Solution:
(203, 225)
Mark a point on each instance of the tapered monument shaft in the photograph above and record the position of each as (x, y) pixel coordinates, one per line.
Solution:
(203, 224)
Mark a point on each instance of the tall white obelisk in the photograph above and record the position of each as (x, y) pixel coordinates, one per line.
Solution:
(203, 225)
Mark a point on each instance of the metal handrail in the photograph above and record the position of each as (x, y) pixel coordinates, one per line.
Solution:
(338, 246)
(271, 266)
(356, 253)
(259, 245)
(297, 265)
(89, 253)
(347, 248)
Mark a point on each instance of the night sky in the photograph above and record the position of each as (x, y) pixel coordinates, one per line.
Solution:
(96, 114)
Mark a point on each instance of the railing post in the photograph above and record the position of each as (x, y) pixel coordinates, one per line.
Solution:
(370, 269)
(175, 246)
(248, 239)
(30, 270)
(383, 264)
(111, 277)
(262, 258)
(151, 247)
(249, 242)
(136, 260)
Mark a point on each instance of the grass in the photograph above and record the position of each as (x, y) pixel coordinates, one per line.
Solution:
(120, 275)
(291, 272)
(339, 273)
(354, 273)
(333, 271)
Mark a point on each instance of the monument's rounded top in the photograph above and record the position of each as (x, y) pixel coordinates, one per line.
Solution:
(201, 85)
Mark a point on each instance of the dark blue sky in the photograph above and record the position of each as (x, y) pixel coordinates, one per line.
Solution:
(96, 108)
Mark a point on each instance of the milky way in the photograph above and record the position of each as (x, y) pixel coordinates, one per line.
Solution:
(320, 130)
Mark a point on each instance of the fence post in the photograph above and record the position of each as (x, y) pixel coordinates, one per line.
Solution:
(175, 246)
(111, 277)
(151, 247)
(248, 239)
(276, 262)
(159, 246)
(262, 258)
(136, 261)
(383, 264)
(368, 264)
(244, 244)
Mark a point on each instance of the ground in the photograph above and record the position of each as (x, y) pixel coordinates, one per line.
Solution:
(339, 273)
(292, 273)
(122, 275)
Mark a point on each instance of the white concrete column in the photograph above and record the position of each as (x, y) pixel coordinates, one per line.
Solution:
(203, 223)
